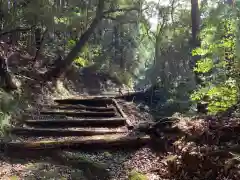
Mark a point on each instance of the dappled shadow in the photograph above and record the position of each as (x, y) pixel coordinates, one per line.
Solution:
(55, 165)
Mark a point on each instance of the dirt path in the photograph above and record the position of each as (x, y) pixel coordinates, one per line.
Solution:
(81, 165)
(198, 148)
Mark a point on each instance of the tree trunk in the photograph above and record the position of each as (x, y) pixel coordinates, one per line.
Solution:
(39, 41)
(195, 16)
(60, 67)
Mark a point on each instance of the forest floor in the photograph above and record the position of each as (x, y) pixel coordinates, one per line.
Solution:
(200, 148)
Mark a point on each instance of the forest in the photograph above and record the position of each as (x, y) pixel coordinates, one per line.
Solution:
(143, 89)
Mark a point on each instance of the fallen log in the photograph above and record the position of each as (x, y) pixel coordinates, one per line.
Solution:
(79, 114)
(164, 125)
(92, 143)
(82, 107)
(120, 111)
(138, 95)
(110, 122)
(87, 102)
(64, 132)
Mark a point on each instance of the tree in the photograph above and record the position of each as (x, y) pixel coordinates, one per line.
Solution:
(195, 42)
(61, 66)
(219, 73)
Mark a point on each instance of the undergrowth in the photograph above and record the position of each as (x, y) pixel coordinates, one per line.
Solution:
(8, 105)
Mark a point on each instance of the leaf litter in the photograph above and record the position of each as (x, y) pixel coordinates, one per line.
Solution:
(206, 148)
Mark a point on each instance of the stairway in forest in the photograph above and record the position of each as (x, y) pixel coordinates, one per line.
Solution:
(76, 123)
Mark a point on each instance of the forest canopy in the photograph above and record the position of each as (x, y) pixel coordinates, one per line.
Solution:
(188, 48)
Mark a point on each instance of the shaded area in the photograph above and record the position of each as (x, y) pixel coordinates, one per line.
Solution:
(57, 164)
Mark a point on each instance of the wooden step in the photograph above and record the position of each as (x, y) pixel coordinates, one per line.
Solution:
(28, 131)
(107, 122)
(84, 143)
(81, 107)
(79, 114)
(120, 111)
(87, 102)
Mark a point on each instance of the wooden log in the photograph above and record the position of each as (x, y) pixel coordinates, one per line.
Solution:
(87, 102)
(138, 95)
(94, 142)
(64, 132)
(120, 111)
(110, 122)
(79, 114)
(82, 107)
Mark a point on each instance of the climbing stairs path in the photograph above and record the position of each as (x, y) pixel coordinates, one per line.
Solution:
(93, 123)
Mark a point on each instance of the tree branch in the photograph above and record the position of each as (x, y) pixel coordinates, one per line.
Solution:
(121, 10)
(60, 67)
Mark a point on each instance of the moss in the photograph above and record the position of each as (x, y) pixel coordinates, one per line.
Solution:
(107, 154)
(14, 178)
(134, 175)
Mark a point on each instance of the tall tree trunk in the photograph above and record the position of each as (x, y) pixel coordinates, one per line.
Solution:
(60, 67)
(122, 58)
(39, 43)
(116, 41)
(195, 16)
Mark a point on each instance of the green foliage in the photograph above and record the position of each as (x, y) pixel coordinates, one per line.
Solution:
(146, 46)
(71, 43)
(220, 97)
(79, 61)
(218, 63)
(204, 65)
